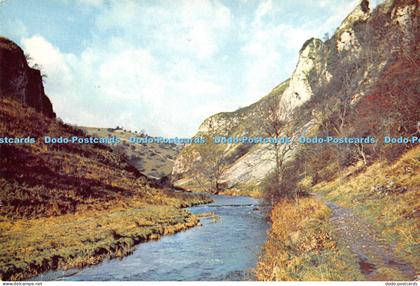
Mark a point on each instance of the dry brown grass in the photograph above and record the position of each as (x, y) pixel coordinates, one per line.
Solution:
(394, 215)
(39, 180)
(301, 246)
(28, 247)
(73, 205)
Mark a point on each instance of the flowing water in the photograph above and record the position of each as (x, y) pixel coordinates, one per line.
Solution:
(223, 249)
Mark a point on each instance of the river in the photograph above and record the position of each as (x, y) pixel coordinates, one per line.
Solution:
(224, 249)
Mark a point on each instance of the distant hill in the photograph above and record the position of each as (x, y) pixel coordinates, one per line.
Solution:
(153, 159)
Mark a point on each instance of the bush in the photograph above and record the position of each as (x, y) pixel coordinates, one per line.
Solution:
(285, 186)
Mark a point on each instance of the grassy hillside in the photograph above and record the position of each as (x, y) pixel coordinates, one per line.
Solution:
(152, 159)
(72, 205)
(303, 243)
(387, 195)
(371, 190)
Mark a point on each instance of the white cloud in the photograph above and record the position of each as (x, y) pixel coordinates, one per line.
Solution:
(44, 52)
(112, 85)
(189, 27)
(263, 9)
(323, 3)
(52, 63)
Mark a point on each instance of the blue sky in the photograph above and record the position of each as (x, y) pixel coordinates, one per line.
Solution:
(163, 66)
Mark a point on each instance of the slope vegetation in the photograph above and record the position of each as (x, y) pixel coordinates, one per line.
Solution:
(68, 205)
(155, 160)
(362, 81)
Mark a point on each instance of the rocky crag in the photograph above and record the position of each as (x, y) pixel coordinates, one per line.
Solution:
(371, 59)
(21, 82)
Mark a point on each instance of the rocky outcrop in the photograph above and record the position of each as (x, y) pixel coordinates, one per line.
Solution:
(344, 68)
(21, 82)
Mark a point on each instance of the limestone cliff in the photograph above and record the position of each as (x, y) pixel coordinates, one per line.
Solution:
(346, 68)
(19, 81)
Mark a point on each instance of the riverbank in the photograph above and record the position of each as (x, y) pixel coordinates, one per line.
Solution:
(190, 186)
(74, 204)
(247, 192)
(302, 246)
(215, 251)
(29, 247)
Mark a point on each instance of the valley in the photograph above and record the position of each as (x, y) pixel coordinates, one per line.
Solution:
(313, 182)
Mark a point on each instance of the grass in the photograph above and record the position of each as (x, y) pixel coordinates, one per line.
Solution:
(29, 247)
(393, 214)
(73, 205)
(154, 159)
(301, 246)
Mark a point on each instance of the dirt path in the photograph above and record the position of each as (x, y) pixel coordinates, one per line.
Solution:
(372, 252)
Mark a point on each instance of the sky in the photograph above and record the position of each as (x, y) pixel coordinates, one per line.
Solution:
(163, 66)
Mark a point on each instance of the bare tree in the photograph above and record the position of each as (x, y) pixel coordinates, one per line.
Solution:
(274, 124)
(210, 165)
(208, 161)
